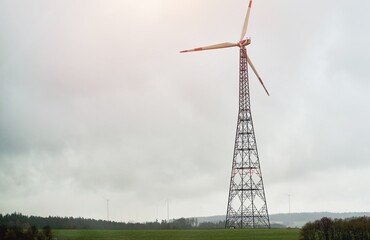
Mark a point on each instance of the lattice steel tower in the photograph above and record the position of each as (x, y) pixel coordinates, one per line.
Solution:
(246, 206)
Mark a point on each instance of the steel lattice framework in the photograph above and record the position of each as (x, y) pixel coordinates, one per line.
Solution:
(247, 207)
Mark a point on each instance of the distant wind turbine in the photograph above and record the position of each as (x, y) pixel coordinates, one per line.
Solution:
(107, 208)
(106, 199)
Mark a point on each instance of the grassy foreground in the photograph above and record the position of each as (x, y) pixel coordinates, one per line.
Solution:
(219, 234)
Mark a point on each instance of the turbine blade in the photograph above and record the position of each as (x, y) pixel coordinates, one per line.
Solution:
(211, 47)
(245, 26)
(258, 76)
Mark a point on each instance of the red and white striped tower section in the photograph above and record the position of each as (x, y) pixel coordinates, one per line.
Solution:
(247, 207)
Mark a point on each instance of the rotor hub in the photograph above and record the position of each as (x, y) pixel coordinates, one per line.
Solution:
(244, 42)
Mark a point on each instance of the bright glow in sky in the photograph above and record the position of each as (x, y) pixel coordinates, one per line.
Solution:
(96, 102)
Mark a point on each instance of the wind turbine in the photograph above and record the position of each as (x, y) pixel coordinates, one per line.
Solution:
(107, 199)
(107, 209)
(247, 207)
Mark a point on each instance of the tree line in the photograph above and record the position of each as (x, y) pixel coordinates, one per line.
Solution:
(337, 229)
(22, 221)
(30, 233)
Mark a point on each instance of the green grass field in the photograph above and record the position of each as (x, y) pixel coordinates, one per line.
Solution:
(219, 234)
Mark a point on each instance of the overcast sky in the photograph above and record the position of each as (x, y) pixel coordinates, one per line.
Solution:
(97, 103)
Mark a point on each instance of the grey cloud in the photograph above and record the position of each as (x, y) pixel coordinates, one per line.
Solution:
(95, 100)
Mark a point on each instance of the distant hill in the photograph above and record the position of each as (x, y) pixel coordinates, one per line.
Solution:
(293, 219)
